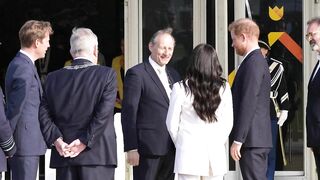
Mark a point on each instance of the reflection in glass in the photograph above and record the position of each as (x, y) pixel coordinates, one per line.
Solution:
(176, 14)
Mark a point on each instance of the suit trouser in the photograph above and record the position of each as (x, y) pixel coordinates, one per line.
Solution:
(254, 163)
(24, 167)
(272, 156)
(85, 173)
(155, 167)
(316, 154)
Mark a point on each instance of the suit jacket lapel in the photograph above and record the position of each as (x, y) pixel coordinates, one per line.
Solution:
(156, 80)
(242, 67)
(312, 74)
(38, 80)
(249, 55)
(33, 67)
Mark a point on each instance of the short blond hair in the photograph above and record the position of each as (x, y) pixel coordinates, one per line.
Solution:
(33, 30)
(246, 26)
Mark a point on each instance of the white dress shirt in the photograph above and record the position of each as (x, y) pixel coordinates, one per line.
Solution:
(162, 74)
(318, 65)
(28, 55)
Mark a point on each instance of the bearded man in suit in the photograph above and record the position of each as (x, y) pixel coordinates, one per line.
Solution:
(313, 98)
(251, 134)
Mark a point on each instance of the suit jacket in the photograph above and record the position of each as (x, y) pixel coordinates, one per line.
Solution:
(78, 104)
(198, 143)
(313, 113)
(23, 93)
(144, 110)
(7, 145)
(251, 102)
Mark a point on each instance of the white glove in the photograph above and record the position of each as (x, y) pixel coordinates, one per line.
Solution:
(283, 117)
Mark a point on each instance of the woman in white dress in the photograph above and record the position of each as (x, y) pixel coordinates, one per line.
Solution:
(200, 118)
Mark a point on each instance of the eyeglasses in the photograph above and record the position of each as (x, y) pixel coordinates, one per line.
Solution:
(310, 35)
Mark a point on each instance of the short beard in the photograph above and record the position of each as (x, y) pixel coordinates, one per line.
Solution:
(314, 46)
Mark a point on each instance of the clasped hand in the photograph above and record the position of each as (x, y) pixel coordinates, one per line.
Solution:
(69, 150)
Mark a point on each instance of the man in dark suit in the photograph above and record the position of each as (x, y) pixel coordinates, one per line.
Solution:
(23, 93)
(279, 105)
(146, 100)
(7, 144)
(313, 98)
(76, 114)
(251, 96)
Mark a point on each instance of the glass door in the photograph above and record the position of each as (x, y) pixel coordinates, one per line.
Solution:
(186, 17)
(281, 27)
(177, 14)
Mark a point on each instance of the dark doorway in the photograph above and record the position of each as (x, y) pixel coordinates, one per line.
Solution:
(105, 18)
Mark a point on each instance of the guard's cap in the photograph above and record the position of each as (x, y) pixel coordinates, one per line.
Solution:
(264, 45)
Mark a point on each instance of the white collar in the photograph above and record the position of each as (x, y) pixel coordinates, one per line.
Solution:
(82, 57)
(28, 55)
(155, 66)
(250, 51)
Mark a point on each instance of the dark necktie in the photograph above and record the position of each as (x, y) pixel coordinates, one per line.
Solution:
(315, 71)
(163, 76)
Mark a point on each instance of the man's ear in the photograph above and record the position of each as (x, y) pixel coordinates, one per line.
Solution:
(37, 42)
(95, 51)
(243, 37)
(150, 45)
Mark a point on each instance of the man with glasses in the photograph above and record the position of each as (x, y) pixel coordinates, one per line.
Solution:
(313, 101)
